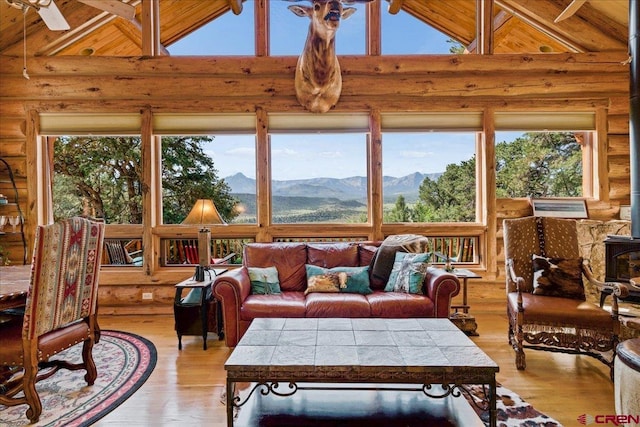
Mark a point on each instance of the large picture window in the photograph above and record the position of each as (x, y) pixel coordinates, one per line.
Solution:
(98, 177)
(319, 177)
(217, 167)
(319, 169)
(542, 154)
(429, 176)
(539, 164)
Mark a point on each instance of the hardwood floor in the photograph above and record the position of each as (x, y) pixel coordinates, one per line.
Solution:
(186, 386)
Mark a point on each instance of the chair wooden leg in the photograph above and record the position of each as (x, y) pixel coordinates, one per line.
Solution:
(89, 363)
(29, 389)
(521, 363)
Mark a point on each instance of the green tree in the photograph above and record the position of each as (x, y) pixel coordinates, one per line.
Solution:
(188, 174)
(539, 164)
(451, 197)
(102, 176)
(400, 212)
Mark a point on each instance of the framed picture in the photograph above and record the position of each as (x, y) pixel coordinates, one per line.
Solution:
(560, 208)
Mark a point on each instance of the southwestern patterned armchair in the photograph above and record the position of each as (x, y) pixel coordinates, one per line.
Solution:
(546, 305)
(60, 312)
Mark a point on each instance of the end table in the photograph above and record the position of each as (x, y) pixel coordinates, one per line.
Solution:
(192, 311)
(463, 320)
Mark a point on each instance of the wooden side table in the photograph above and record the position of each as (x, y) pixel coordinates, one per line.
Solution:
(191, 312)
(462, 319)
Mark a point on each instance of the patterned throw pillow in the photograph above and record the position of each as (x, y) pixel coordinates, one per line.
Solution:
(408, 272)
(357, 278)
(558, 277)
(264, 281)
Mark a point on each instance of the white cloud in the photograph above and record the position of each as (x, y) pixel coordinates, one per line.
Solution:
(331, 154)
(284, 152)
(416, 154)
(241, 152)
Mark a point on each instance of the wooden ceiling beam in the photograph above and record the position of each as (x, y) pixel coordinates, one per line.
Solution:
(395, 6)
(150, 17)
(499, 20)
(133, 31)
(75, 34)
(546, 27)
(541, 15)
(236, 6)
(261, 12)
(374, 29)
(484, 26)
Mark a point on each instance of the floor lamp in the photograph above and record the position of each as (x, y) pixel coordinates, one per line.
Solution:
(203, 213)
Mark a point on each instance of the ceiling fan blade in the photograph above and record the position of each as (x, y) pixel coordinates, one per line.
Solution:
(52, 16)
(113, 6)
(570, 10)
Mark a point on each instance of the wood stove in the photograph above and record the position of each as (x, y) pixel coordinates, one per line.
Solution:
(622, 262)
(622, 258)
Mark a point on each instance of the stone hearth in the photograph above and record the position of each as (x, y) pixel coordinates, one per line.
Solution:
(591, 237)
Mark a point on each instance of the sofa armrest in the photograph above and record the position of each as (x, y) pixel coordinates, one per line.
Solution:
(441, 286)
(231, 289)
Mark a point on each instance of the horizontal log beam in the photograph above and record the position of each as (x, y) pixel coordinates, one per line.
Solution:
(602, 62)
(346, 104)
(441, 84)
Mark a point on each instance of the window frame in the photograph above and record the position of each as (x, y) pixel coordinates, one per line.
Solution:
(152, 232)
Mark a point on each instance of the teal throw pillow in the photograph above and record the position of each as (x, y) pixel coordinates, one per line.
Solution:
(408, 272)
(357, 277)
(264, 281)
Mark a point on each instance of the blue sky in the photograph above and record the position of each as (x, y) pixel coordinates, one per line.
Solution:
(403, 154)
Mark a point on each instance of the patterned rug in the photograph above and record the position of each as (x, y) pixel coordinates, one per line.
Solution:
(512, 410)
(124, 363)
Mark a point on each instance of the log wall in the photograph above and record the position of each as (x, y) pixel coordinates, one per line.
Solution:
(547, 82)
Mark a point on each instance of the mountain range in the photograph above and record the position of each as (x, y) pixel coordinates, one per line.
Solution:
(339, 188)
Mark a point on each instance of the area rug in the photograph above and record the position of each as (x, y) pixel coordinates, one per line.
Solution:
(124, 362)
(513, 411)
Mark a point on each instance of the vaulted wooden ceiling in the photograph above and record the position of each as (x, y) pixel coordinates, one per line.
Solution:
(519, 26)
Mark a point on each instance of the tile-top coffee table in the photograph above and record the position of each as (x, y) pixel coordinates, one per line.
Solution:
(278, 354)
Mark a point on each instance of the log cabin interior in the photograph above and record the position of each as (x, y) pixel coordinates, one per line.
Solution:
(523, 60)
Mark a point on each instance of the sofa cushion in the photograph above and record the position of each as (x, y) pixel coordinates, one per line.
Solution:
(399, 304)
(357, 278)
(264, 280)
(285, 304)
(325, 282)
(289, 258)
(383, 262)
(366, 254)
(337, 305)
(407, 274)
(329, 255)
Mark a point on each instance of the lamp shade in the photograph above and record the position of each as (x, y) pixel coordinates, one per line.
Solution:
(203, 212)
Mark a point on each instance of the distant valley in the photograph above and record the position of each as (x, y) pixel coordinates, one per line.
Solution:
(321, 199)
(352, 188)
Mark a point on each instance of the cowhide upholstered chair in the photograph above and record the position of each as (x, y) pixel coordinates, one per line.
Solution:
(60, 311)
(547, 308)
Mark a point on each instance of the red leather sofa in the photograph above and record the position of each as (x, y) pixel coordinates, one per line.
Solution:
(240, 306)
